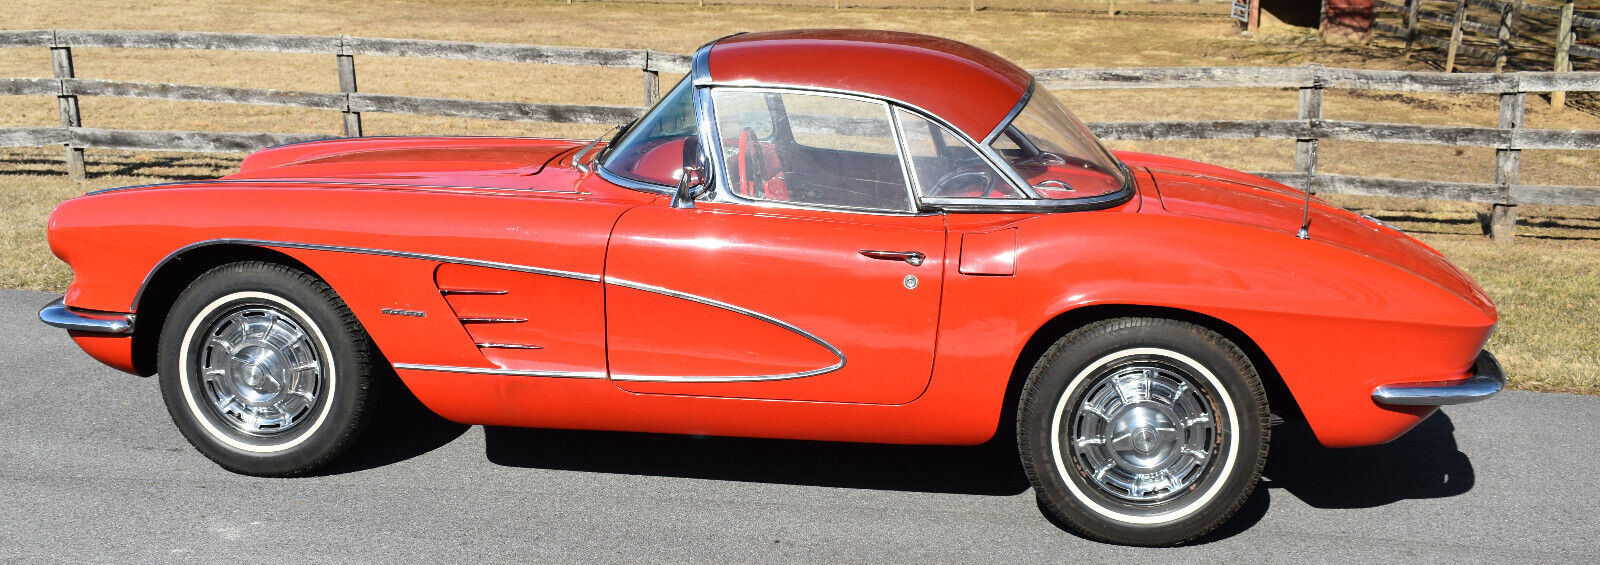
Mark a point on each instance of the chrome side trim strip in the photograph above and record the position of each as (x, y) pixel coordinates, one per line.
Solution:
(139, 295)
(503, 372)
(422, 256)
(490, 320)
(508, 346)
(471, 292)
(327, 183)
(548, 272)
(1487, 380)
(58, 314)
(737, 310)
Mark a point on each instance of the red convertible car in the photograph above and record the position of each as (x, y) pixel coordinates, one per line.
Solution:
(851, 236)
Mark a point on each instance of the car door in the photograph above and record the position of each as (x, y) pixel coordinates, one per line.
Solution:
(808, 275)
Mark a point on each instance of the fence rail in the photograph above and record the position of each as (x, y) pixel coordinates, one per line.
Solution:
(1508, 25)
(1508, 139)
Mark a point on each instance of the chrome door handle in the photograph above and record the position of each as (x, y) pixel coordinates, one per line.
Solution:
(913, 257)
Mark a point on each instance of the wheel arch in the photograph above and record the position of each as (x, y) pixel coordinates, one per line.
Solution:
(174, 274)
(1279, 398)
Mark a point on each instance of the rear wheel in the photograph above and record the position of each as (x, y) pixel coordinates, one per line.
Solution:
(264, 369)
(1143, 431)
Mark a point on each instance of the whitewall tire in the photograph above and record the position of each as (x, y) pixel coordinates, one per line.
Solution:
(1143, 431)
(264, 369)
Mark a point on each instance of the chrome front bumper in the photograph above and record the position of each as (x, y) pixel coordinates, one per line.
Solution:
(1486, 380)
(57, 314)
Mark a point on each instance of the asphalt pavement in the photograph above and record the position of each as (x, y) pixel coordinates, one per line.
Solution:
(92, 470)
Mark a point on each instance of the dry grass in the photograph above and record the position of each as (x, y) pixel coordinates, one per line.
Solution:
(1546, 285)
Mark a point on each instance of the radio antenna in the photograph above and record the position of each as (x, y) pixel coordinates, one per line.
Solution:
(1305, 218)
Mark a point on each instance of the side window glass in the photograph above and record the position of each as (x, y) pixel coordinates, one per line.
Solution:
(810, 149)
(945, 166)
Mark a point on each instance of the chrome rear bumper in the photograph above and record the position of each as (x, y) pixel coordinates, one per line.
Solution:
(57, 314)
(1486, 380)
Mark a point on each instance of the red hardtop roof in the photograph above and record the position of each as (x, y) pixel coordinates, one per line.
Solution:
(971, 88)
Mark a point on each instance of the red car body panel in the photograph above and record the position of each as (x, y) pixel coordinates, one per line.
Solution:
(510, 286)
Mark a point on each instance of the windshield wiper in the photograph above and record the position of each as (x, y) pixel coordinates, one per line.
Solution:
(589, 146)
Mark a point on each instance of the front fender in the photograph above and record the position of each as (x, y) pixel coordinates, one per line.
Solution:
(1334, 322)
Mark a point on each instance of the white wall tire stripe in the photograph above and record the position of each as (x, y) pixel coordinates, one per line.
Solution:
(329, 370)
(1232, 442)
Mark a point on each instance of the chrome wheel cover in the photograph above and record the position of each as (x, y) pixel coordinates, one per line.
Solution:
(259, 371)
(1143, 433)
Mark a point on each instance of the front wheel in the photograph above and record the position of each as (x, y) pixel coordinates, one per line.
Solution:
(264, 369)
(1143, 431)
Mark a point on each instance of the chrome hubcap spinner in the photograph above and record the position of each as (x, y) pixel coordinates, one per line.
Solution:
(260, 372)
(1143, 433)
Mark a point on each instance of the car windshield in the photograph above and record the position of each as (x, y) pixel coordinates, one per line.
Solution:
(651, 150)
(1056, 154)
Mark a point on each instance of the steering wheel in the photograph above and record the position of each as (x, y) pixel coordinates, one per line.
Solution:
(960, 182)
(752, 165)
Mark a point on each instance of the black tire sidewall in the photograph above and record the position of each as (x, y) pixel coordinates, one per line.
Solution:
(340, 411)
(1074, 353)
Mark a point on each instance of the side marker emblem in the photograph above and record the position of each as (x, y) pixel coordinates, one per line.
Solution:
(399, 312)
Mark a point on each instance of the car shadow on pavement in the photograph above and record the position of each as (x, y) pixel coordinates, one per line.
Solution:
(401, 428)
(989, 469)
(1423, 463)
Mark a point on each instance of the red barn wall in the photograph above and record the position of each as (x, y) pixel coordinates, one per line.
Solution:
(1349, 20)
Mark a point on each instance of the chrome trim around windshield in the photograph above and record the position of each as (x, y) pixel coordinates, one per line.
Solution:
(58, 314)
(626, 182)
(1487, 380)
(1005, 122)
(502, 372)
(1027, 205)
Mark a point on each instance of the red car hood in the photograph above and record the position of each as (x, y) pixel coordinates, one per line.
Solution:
(438, 161)
(1189, 188)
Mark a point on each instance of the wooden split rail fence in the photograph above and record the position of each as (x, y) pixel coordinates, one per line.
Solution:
(1508, 139)
(1508, 24)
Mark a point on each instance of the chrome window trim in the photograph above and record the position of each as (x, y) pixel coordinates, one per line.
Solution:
(999, 163)
(1027, 205)
(730, 197)
(631, 184)
(1005, 122)
(988, 158)
(1127, 186)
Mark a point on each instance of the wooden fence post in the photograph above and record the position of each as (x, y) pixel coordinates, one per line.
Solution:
(652, 81)
(61, 63)
(1412, 8)
(1508, 20)
(1305, 149)
(347, 85)
(1564, 38)
(1507, 165)
(1455, 36)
